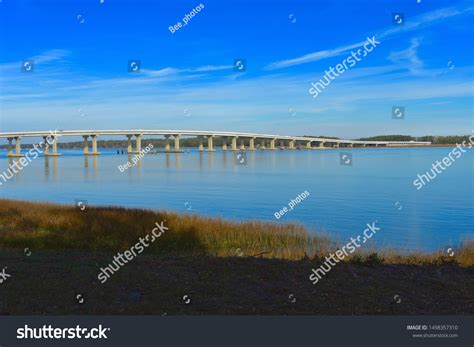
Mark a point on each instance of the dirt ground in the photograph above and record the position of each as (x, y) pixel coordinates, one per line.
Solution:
(65, 282)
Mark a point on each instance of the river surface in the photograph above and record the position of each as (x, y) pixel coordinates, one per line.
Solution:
(377, 185)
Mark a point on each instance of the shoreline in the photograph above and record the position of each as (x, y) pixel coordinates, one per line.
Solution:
(223, 268)
(299, 242)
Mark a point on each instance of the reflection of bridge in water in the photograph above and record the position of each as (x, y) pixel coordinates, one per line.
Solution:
(237, 141)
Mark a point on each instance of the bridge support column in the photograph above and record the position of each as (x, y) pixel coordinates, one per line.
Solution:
(18, 146)
(336, 145)
(272, 144)
(86, 145)
(138, 146)
(308, 145)
(94, 145)
(291, 144)
(176, 142)
(351, 145)
(321, 145)
(129, 144)
(242, 145)
(10, 150)
(376, 145)
(234, 143)
(167, 143)
(282, 144)
(224, 146)
(201, 147)
(54, 144)
(210, 143)
(262, 144)
(46, 145)
(252, 144)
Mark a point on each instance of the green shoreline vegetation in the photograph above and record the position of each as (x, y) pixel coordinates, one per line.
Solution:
(46, 226)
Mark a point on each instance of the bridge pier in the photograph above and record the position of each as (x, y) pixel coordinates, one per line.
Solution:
(46, 146)
(308, 145)
(201, 147)
(167, 143)
(86, 145)
(94, 145)
(210, 143)
(138, 144)
(10, 150)
(17, 147)
(129, 144)
(234, 143)
(252, 144)
(176, 142)
(262, 144)
(291, 144)
(54, 144)
(242, 145)
(224, 146)
(272, 144)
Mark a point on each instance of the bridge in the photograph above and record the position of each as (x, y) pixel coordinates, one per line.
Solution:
(237, 140)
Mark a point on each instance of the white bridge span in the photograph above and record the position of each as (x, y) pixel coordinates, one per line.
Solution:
(247, 141)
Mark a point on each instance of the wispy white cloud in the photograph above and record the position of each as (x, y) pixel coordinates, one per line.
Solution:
(50, 56)
(315, 56)
(424, 20)
(211, 68)
(408, 58)
(175, 71)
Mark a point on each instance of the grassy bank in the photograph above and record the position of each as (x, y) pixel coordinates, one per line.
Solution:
(247, 268)
(43, 226)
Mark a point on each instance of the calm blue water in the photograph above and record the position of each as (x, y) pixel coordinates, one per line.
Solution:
(378, 186)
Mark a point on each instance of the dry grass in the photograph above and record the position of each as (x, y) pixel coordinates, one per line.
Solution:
(50, 226)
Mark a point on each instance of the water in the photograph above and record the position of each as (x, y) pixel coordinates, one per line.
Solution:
(378, 186)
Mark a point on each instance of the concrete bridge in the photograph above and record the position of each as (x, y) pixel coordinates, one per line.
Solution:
(236, 140)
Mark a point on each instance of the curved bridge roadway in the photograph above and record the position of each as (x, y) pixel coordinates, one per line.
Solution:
(267, 141)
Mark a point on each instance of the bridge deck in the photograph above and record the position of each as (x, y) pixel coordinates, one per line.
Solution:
(141, 132)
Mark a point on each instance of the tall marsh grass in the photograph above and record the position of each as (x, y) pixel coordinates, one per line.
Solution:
(50, 226)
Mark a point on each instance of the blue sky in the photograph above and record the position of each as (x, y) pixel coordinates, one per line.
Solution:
(81, 81)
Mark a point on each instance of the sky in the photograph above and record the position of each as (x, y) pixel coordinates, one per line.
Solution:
(81, 50)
